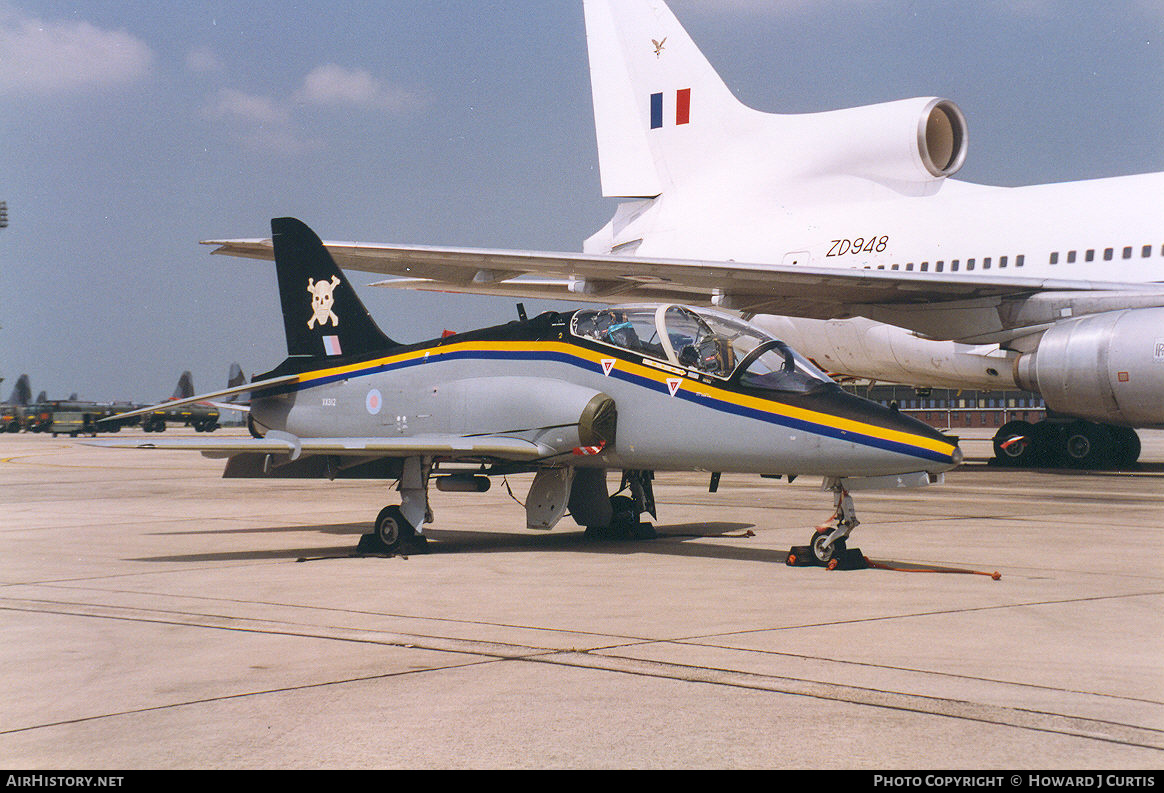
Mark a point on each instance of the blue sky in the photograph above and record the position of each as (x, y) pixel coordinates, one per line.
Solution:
(129, 131)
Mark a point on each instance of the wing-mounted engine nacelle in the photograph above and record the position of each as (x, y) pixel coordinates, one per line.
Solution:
(913, 141)
(1105, 367)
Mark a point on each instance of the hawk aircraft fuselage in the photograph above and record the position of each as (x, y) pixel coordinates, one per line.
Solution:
(769, 412)
(633, 388)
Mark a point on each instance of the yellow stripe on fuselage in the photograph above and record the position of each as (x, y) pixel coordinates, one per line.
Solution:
(595, 357)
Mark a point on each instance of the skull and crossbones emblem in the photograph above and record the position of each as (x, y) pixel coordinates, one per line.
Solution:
(322, 300)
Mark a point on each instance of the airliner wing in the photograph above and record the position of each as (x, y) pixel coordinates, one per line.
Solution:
(907, 299)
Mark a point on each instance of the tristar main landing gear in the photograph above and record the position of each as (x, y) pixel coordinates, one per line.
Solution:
(1059, 443)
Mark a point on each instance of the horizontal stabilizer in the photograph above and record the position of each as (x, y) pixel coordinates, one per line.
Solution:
(261, 385)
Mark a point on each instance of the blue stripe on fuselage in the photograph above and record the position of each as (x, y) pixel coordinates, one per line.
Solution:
(715, 403)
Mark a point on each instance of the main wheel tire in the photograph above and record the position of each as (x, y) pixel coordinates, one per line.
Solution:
(1127, 446)
(1087, 445)
(393, 531)
(1015, 444)
(624, 523)
(624, 513)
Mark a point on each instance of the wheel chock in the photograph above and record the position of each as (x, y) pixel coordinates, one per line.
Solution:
(848, 559)
(800, 556)
(370, 544)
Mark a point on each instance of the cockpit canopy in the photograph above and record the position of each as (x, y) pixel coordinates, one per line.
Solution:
(702, 340)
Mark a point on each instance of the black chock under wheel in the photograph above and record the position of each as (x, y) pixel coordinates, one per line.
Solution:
(370, 544)
(848, 559)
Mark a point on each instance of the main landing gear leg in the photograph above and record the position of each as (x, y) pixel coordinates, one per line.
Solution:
(636, 496)
(828, 546)
(397, 530)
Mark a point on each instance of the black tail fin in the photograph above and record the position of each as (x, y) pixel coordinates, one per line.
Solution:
(21, 392)
(322, 314)
(236, 376)
(185, 387)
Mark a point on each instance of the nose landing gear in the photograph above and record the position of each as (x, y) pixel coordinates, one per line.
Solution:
(828, 546)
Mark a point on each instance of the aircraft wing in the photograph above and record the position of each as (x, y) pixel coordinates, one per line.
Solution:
(281, 443)
(909, 298)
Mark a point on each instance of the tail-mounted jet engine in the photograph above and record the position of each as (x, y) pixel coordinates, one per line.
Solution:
(909, 141)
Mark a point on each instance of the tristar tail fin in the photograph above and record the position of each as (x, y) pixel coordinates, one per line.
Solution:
(659, 106)
(322, 314)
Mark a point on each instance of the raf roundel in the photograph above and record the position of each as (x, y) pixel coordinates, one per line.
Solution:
(373, 401)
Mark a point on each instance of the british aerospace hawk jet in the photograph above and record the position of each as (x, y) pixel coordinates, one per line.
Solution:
(568, 396)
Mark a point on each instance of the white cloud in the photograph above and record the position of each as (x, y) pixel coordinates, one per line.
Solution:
(261, 123)
(278, 140)
(42, 58)
(332, 84)
(203, 60)
(231, 104)
(274, 124)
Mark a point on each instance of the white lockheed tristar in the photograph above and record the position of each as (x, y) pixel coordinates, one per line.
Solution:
(843, 233)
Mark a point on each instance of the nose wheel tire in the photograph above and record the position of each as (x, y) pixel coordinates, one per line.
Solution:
(824, 553)
(835, 555)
